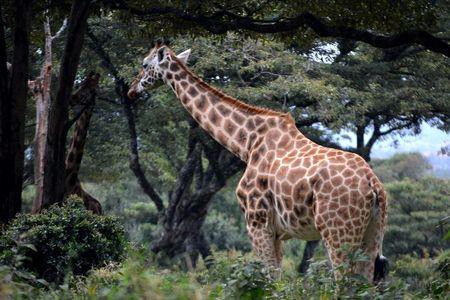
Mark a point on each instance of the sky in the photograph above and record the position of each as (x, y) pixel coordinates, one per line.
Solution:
(428, 142)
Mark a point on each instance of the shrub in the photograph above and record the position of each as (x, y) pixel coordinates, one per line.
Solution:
(238, 277)
(64, 239)
(425, 276)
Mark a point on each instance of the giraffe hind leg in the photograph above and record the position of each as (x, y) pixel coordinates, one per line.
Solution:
(378, 266)
(342, 230)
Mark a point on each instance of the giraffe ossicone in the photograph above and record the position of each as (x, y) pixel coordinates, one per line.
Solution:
(292, 187)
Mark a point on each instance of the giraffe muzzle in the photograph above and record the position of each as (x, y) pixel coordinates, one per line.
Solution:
(132, 94)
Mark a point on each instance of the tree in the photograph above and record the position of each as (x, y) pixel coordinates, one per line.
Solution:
(381, 93)
(41, 90)
(188, 200)
(13, 94)
(382, 24)
(13, 99)
(416, 210)
(402, 166)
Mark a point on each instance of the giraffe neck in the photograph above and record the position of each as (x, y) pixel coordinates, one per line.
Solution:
(75, 152)
(239, 127)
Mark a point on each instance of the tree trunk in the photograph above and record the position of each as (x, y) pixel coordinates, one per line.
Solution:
(308, 253)
(361, 148)
(12, 117)
(189, 203)
(55, 149)
(41, 92)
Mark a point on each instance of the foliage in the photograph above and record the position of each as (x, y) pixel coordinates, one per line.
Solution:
(426, 276)
(62, 239)
(237, 277)
(232, 276)
(401, 166)
(416, 209)
(14, 279)
(362, 89)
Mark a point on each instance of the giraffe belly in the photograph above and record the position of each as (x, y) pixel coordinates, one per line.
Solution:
(296, 223)
(307, 232)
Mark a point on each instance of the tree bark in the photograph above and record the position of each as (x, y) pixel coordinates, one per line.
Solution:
(12, 117)
(361, 148)
(84, 98)
(41, 90)
(55, 151)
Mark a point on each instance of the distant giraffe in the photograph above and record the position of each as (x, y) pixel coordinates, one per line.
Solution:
(292, 187)
(75, 152)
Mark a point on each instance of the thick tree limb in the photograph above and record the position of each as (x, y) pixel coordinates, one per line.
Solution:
(223, 21)
(135, 165)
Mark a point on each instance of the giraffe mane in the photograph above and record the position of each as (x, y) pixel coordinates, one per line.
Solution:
(245, 107)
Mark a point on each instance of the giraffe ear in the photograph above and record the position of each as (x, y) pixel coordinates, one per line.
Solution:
(183, 56)
(161, 52)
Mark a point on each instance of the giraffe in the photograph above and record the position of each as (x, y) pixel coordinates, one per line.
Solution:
(291, 187)
(76, 148)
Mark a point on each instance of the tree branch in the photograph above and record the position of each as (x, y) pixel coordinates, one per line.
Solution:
(306, 121)
(61, 29)
(222, 21)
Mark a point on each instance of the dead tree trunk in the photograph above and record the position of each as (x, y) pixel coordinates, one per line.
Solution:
(55, 149)
(84, 98)
(40, 88)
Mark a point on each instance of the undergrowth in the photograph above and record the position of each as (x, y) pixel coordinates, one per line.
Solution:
(232, 275)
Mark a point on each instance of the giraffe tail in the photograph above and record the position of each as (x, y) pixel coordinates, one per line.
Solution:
(381, 268)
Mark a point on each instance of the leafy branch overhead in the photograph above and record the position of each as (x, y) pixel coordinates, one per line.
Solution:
(383, 24)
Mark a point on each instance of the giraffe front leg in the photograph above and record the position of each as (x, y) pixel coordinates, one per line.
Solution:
(266, 246)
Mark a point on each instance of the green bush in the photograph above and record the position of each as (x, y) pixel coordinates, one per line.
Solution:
(233, 276)
(426, 276)
(61, 240)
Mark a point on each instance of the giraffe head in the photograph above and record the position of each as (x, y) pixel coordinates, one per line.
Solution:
(154, 68)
